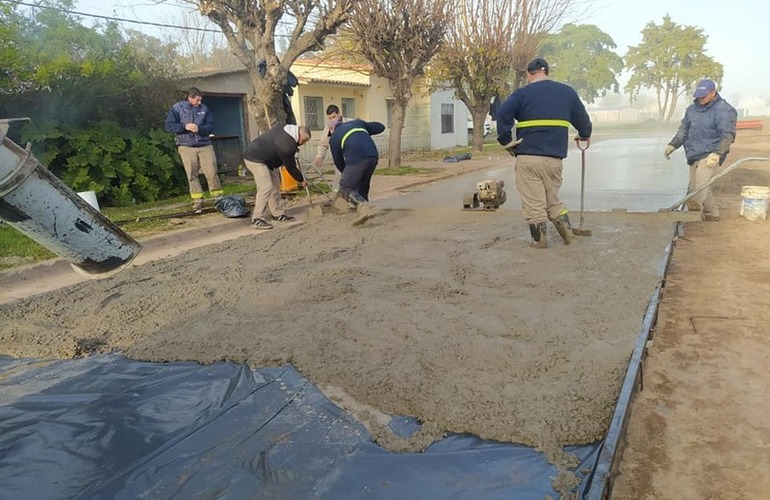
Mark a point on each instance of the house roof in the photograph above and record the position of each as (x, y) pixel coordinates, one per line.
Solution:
(333, 82)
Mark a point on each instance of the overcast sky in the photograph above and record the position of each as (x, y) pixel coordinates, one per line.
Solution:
(738, 31)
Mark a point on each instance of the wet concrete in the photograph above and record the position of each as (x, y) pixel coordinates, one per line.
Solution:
(629, 173)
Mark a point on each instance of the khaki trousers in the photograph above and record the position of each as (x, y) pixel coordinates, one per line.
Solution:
(538, 179)
(700, 174)
(197, 161)
(268, 191)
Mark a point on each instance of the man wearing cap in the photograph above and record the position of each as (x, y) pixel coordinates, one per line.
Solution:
(543, 110)
(706, 132)
(191, 123)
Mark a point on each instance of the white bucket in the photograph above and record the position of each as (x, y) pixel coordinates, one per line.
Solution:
(754, 203)
(90, 197)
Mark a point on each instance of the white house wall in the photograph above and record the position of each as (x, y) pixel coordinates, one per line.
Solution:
(459, 137)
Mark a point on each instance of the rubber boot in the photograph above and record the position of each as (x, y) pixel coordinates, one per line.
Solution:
(564, 228)
(364, 209)
(538, 232)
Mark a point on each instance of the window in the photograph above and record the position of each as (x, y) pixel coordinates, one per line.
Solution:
(447, 118)
(348, 107)
(314, 113)
(390, 103)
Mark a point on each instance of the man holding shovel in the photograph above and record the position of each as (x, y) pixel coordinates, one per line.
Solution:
(543, 111)
(355, 156)
(706, 132)
(263, 157)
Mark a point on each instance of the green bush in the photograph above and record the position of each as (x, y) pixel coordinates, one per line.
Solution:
(121, 165)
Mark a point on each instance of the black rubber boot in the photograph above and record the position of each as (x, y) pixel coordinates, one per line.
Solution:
(538, 232)
(564, 228)
(365, 209)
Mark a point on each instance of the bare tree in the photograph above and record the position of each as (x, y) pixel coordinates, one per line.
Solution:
(488, 45)
(251, 27)
(399, 38)
(535, 20)
(477, 55)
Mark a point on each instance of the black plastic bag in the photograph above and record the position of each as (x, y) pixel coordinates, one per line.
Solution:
(232, 206)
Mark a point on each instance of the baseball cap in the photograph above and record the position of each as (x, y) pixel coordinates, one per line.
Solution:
(704, 88)
(538, 64)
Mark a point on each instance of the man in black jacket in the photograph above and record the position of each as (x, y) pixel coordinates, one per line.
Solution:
(263, 157)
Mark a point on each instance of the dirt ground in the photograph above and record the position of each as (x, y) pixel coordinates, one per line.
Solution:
(447, 316)
(700, 428)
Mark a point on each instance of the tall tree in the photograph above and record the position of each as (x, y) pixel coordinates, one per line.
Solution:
(476, 57)
(535, 20)
(670, 59)
(251, 28)
(582, 56)
(399, 38)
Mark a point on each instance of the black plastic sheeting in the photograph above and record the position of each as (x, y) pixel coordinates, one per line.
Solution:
(108, 427)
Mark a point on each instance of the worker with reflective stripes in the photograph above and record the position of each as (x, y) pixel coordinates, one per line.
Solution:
(355, 156)
(543, 111)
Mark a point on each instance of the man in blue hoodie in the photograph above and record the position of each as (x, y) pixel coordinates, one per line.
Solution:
(706, 132)
(191, 123)
(543, 110)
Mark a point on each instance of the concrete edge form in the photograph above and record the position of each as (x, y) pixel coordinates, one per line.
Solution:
(600, 485)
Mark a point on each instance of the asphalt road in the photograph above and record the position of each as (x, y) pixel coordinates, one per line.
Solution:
(627, 173)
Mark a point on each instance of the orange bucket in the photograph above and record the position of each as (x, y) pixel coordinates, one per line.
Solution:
(288, 183)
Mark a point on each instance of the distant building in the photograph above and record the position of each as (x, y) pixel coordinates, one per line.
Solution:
(433, 121)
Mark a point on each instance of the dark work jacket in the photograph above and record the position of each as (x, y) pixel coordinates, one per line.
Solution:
(706, 129)
(544, 110)
(183, 113)
(352, 143)
(275, 148)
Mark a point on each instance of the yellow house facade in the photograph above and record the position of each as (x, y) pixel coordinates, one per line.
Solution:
(433, 120)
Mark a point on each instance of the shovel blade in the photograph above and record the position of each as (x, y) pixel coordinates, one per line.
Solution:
(579, 231)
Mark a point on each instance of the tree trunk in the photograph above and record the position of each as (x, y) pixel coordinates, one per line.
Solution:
(479, 117)
(396, 128)
(266, 102)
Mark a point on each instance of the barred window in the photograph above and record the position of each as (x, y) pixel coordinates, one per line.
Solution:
(348, 107)
(447, 118)
(314, 117)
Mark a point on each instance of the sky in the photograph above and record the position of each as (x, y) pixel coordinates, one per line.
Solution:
(738, 31)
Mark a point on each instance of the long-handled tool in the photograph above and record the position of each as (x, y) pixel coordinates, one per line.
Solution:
(580, 230)
(700, 189)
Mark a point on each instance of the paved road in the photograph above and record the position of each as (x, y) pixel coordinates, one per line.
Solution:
(628, 173)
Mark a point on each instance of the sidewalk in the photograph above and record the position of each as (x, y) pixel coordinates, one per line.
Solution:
(25, 281)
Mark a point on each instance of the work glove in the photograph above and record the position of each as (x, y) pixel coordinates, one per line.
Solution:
(511, 145)
(711, 160)
(669, 149)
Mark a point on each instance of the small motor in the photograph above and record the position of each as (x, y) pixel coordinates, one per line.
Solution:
(489, 196)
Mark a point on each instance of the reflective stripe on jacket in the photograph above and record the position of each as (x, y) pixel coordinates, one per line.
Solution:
(543, 111)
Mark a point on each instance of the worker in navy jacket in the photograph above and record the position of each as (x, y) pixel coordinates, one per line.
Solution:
(543, 110)
(355, 155)
(191, 123)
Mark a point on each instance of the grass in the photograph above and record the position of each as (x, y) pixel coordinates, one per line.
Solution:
(17, 249)
(402, 170)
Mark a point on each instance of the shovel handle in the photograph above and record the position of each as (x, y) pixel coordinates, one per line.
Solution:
(579, 142)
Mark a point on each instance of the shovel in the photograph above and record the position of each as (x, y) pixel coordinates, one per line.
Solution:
(580, 230)
(700, 189)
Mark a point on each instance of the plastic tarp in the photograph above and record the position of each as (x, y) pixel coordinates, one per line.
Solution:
(109, 427)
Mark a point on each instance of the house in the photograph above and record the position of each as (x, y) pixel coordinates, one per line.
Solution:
(433, 120)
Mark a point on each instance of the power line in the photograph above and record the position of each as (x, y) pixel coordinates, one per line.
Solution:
(119, 19)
